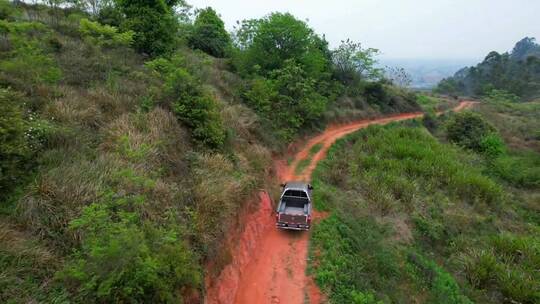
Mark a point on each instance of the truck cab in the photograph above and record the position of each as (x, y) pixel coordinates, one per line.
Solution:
(294, 208)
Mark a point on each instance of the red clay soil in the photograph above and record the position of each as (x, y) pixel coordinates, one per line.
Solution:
(268, 264)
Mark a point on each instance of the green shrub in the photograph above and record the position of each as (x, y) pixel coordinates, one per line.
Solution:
(492, 145)
(192, 104)
(196, 108)
(27, 62)
(104, 35)
(468, 130)
(7, 10)
(289, 99)
(123, 258)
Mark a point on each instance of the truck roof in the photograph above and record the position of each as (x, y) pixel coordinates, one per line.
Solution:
(296, 185)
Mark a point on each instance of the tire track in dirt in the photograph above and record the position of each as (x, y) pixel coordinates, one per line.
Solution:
(268, 264)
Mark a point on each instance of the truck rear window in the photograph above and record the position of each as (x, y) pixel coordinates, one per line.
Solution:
(296, 193)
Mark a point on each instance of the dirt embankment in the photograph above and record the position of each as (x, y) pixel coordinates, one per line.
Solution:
(268, 265)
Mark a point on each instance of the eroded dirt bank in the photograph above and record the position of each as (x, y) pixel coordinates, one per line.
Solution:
(268, 265)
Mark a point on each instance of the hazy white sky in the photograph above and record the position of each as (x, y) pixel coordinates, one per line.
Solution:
(445, 29)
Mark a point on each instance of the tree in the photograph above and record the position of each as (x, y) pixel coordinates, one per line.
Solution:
(209, 34)
(269, 42)
(289, 99)
(352, 62)
(153, 23)
(524, 48)
(398, 76)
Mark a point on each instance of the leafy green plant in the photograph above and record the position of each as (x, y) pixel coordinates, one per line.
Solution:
(27, 63)
(104, 35)
(492, 145)
(192, 104)
(468, 129)
(124, 258)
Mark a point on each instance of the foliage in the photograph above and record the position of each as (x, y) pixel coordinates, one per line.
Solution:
(124, 258)
(388, 98)
(192, 104)
(6, 10)
(289, 99)
(517, 72)
(492, 145)
(352, 63)
(209, 34)
(104, 35)
(268, 43)
(26, 62)
(153, 25)
(469, 130)
(500, 96)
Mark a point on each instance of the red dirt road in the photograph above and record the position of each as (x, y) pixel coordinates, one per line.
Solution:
(268, 265)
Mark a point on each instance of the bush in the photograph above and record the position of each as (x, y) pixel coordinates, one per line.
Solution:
(289, 99)
(492, 145)
(27, 62)
(126, 259)
(209, 34)
(104, 35)
(468, 130)
(196, 109)
(192, 104)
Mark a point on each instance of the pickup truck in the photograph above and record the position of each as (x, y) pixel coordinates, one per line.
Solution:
(294, 208)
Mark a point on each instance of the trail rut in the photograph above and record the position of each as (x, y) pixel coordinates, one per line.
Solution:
(268, 265)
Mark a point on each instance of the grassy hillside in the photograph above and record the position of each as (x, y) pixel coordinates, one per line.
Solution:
(128, 148)
(416, 216)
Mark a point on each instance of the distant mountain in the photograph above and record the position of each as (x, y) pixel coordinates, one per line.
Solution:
(517, 72)
(427, 73)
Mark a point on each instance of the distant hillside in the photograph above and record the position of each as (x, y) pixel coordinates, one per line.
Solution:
(517, 72)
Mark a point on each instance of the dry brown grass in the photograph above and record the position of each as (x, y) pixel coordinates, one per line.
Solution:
(23, 262)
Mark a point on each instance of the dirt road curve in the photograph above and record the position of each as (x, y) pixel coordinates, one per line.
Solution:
(268, 265)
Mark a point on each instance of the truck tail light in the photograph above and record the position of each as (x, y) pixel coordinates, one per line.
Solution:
(277, 216)
(309, 219)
